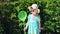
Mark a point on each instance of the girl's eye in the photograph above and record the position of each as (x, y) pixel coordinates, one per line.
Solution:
(33, 10)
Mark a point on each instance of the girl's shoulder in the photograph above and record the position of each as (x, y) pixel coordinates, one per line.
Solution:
(29, 15)
(38, 15)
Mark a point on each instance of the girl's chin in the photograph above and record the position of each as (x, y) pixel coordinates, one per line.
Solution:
(34, 14)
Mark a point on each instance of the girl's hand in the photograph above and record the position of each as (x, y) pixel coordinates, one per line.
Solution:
(41, 29)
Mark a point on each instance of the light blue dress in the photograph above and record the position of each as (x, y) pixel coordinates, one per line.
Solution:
(33, 27)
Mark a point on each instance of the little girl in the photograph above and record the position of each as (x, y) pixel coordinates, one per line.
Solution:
(33, 22)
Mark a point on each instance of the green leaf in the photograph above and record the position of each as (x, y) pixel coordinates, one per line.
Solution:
(17, 8)
(57, 30)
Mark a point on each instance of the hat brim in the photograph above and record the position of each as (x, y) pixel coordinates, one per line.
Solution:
(31, 9)
(38, 11)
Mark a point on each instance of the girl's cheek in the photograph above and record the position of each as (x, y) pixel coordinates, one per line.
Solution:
(34, 13)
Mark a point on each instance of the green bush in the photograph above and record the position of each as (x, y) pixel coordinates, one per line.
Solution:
(50, 15)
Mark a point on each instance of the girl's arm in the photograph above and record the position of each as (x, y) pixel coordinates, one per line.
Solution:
(26, 25)
(40, 25)
(39, 22)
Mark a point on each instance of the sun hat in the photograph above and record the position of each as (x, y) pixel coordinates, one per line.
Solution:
(35, 6)
(32, 7)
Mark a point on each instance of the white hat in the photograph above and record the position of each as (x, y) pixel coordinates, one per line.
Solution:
(34, 6)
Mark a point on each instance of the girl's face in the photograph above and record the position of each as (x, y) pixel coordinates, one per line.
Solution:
(35, 11)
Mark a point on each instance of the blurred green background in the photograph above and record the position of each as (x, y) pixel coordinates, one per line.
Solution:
(9, 9)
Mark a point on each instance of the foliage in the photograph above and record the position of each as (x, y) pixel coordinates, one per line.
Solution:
(50, 15)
